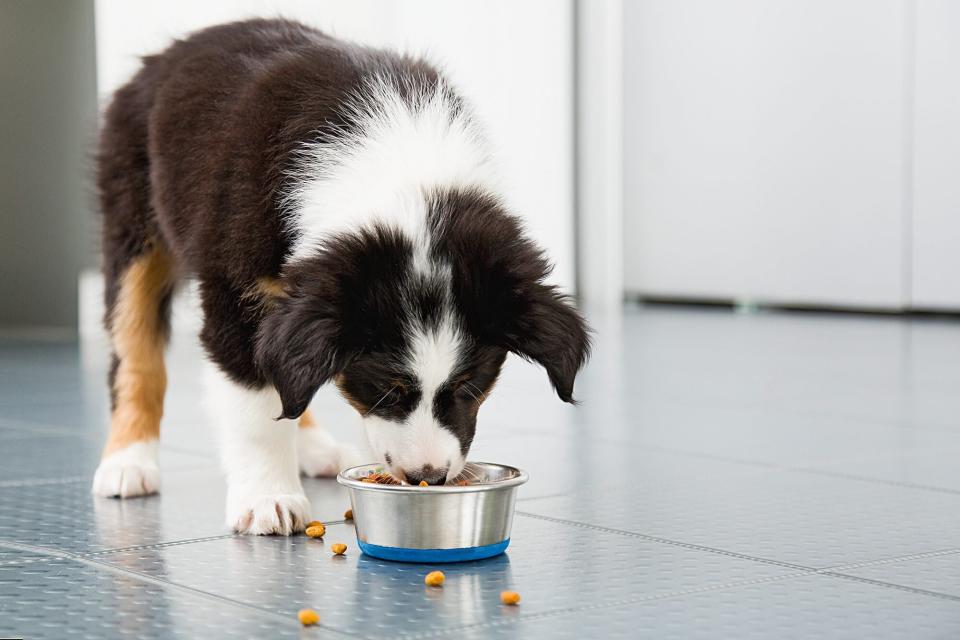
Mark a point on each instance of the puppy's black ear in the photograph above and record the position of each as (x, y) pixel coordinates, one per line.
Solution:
(551, 332)
(297, 350)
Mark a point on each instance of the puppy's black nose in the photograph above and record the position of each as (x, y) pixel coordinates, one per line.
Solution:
(427, 473)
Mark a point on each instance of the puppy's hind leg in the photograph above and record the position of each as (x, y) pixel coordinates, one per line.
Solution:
(319, 453)
(138, 321)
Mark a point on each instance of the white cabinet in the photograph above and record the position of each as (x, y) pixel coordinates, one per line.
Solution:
(936, 183)
(769, 150)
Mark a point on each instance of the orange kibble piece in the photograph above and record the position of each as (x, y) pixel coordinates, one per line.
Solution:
(348, 514)
(509, 597)
(435, 579)
(316, 530)
(423, 483)
(338, 548)
(308, 617)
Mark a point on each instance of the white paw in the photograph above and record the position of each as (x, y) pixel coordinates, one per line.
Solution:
(320, 455)
(282, 514)
(129, 472)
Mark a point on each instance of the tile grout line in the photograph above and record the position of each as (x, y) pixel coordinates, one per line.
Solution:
(156, 545)
(893, 424)
(834, 571)
(668, 541)
(679, 543)
(891, 585)
(44, 429)
(892, 560)
(892, 483)
(10, 563)
(139, 547)
(772, 466)
(176, 543)
(764, 466)
(40, 482)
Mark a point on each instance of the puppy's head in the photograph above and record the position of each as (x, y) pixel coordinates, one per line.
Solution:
(413, 327)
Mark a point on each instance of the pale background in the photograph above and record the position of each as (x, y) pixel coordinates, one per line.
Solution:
(793, 151)
(748, 152)
(511, 59)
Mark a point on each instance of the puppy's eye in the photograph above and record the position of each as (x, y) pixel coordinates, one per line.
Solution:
(395, 394)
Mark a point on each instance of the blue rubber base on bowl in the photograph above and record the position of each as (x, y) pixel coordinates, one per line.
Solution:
(402, 554)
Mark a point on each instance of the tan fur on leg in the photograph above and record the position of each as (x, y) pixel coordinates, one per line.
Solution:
(306, 420)
(265, 293)
(138, 336)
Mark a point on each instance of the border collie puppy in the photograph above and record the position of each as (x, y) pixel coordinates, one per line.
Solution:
(336, 205)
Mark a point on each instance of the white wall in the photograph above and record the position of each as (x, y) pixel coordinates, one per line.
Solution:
(936, 211)
(764, 150)
(511, 58)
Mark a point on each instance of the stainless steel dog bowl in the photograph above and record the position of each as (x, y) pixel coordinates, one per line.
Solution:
(446, 523)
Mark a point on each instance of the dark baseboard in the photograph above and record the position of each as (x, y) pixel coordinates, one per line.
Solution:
(824, 309)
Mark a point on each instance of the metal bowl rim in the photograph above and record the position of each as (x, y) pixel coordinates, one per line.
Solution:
(520, 478)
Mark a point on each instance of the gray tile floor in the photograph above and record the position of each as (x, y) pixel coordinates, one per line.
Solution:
(767, 475)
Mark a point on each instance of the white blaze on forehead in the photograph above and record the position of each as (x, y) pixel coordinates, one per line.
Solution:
(433, 357)
(396, 150)
(434, 354)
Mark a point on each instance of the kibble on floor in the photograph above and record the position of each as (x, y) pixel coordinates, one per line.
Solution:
(725, 476)
(434, 579)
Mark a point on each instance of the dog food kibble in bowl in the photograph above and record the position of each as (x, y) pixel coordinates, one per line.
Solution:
(434, 579)
(379, 477)
(467, 518)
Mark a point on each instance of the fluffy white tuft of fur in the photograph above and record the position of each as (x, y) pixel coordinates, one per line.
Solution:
(321, 455)
(259, 457)
(434, 354)
(422, 440)
(131, 471)
(382, 168)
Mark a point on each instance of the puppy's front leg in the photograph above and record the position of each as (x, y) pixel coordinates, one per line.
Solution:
(259, 456)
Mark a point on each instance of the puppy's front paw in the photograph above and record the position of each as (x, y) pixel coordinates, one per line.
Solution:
(321, 455)
(129, 472)
(281, 514)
